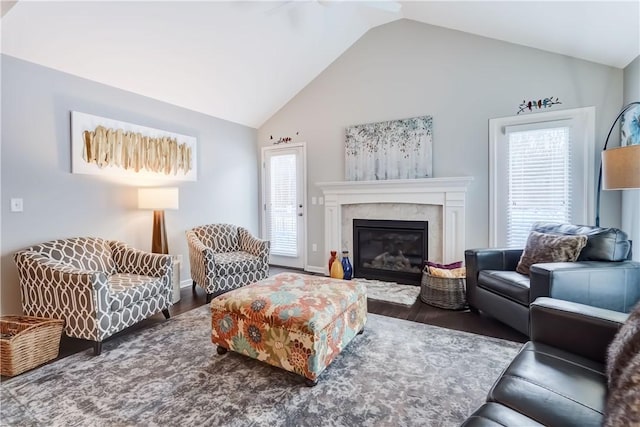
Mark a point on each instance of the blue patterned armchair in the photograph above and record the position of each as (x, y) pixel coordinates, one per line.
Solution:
(98, 287)
(225, 257)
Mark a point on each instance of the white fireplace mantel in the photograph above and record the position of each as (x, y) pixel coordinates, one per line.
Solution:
(446, 192)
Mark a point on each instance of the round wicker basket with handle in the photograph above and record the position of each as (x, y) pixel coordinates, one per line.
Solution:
(443, 292)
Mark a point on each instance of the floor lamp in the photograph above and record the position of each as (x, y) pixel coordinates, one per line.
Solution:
(620, 167)
(158, 199)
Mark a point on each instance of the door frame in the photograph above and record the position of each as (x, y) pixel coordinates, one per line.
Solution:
(305, 210)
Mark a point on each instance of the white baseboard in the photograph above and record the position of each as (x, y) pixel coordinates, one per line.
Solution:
(315, 269)
(186, 283)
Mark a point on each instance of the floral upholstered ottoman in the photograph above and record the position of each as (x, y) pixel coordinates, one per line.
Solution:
(294, 321)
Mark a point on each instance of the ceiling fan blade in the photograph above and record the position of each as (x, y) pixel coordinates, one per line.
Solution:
(387, 6)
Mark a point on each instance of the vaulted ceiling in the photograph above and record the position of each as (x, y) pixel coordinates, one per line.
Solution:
(242, 61)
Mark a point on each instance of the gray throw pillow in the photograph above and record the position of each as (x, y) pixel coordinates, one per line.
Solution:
(623, 374)
(543, 247)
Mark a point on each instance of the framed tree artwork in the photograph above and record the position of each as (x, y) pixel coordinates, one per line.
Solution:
(396, 149)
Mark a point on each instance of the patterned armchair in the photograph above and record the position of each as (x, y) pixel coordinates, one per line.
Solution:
(99, 287)
(224, 257)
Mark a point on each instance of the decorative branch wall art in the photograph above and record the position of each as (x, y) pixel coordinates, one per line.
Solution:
(109, 147)
(396, 149)
(134, 151)
(539, 104)
(282, 139)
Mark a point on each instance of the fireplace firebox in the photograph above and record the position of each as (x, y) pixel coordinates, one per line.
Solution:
(389, 250)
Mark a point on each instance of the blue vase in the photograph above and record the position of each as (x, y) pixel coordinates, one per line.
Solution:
(346, 265)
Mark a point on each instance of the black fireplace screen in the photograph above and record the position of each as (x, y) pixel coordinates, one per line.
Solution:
(389, 249)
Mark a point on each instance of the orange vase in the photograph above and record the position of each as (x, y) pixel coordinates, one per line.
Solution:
(336, 270)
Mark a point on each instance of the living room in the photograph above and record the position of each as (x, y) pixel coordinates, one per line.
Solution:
(62, 58)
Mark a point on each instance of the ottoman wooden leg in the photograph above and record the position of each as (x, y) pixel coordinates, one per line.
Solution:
(209, 298)
(310, 383)
(361, 331)
(221, 350)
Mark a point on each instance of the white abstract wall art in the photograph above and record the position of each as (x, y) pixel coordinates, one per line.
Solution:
(396, 149)
(103, 146)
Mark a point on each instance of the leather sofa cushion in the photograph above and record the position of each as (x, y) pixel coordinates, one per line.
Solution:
(603, 244)
(228, 263)
(509, 284)
(496, 415)
(553, 387)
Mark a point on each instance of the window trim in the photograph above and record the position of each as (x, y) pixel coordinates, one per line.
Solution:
(583, 117)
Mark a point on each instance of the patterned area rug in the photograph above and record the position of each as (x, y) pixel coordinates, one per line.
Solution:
(397, 373)
(391, 291)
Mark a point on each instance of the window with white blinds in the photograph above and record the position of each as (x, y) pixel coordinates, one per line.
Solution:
(539, 177)
(281, 218)
(541, 168)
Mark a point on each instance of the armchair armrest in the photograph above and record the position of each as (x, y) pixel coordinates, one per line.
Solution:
(201, 260)
(577, 328)
(51, 288)
(611, 285)
(492, 259)
(135, 261)
(253, 245)
(477, 260)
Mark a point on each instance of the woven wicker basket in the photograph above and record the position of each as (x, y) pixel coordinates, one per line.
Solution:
(443, 292)
(27, 342)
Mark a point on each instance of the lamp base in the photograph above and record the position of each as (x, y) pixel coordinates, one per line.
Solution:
(159, 239)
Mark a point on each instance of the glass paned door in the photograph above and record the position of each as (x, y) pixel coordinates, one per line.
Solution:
(283, 204)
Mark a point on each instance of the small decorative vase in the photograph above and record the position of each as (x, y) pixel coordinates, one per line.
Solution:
(336, 270)
(346, 266)
(333, 258)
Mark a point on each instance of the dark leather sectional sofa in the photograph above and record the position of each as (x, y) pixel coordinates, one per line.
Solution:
(558, 378)
(603, 276)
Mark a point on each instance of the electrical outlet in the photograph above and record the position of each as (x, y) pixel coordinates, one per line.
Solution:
(314, 247)
(314, 200)
(321, 200)
(179, 258)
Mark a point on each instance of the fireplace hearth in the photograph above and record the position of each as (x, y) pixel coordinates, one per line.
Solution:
(389, 250)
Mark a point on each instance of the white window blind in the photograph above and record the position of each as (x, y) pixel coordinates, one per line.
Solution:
(539, 180)
(282, 215)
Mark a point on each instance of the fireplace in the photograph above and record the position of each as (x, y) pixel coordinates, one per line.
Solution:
(389, 250)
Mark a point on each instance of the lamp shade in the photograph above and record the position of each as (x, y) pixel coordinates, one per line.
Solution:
(621, 168)
(158, 198)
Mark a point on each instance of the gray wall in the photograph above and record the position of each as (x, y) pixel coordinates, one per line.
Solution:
(405, 69)
(631, 198)
(36, 106)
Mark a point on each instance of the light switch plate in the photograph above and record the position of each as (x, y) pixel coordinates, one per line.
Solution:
(16, 205)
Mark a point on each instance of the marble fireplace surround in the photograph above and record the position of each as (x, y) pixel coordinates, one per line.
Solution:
(447, 195)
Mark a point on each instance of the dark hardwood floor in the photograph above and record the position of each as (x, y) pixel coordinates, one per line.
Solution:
(418, 312)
